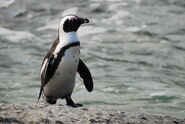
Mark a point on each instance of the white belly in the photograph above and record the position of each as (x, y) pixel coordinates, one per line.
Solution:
(63, 81)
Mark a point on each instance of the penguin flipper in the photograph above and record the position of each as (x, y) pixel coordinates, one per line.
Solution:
(85, 75)
(47, 67)
(43, 75)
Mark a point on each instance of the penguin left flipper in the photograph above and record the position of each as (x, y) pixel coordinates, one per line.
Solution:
(85, 75)
(44, 76)
(47, 68)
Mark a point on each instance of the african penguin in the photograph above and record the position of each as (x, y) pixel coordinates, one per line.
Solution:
(62, 62)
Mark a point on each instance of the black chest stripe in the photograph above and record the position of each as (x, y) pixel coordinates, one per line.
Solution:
(54, 62)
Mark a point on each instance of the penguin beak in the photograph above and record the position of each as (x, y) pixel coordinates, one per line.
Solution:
(84, 20)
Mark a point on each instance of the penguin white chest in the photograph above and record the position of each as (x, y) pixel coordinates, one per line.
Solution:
(63, 81)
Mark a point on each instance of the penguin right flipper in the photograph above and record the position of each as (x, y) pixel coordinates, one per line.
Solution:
(85, 75)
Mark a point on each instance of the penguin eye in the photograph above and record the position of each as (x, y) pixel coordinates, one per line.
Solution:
(71, 20)
(67, 20)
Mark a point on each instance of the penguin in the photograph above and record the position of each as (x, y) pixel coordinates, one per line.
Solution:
(62, 62)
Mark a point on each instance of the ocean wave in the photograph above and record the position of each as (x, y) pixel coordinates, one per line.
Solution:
(16, 36)
(6, 3)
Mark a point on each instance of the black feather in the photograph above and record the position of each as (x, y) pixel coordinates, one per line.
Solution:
(85, 75)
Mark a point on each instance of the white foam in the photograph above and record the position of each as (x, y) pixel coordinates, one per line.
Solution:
(73, 10)
(113, 7)
(6, 3)
(51, 25)
(118, 16)
(90, 30)
(137, 1)
(15, 36)
(132, 29)
(131, 88)
(158, 94)
(114, 1)
(109, 89)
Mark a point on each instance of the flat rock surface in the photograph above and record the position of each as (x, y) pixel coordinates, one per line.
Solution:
(42, 113)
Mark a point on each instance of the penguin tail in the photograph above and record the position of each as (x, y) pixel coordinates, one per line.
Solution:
(40, 93)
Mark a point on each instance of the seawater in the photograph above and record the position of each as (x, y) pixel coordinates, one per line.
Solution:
(135, 50)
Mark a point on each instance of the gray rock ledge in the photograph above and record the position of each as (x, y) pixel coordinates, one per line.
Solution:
(42, 113)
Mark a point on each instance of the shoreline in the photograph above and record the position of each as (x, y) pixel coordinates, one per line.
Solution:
(62, 114)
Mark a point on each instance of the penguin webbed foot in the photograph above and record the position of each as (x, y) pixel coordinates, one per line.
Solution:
(72, 104)
(75, 105)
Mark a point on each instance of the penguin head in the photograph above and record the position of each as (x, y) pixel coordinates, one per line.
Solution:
(71, 23)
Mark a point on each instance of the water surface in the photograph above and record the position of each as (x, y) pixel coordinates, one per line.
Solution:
(135, 50)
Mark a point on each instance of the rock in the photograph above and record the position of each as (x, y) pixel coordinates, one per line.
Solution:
(42, 113)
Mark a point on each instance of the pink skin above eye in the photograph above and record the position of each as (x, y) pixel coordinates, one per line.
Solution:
(73, 18)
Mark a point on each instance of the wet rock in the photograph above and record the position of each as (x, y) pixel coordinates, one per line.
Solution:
(62, 114)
